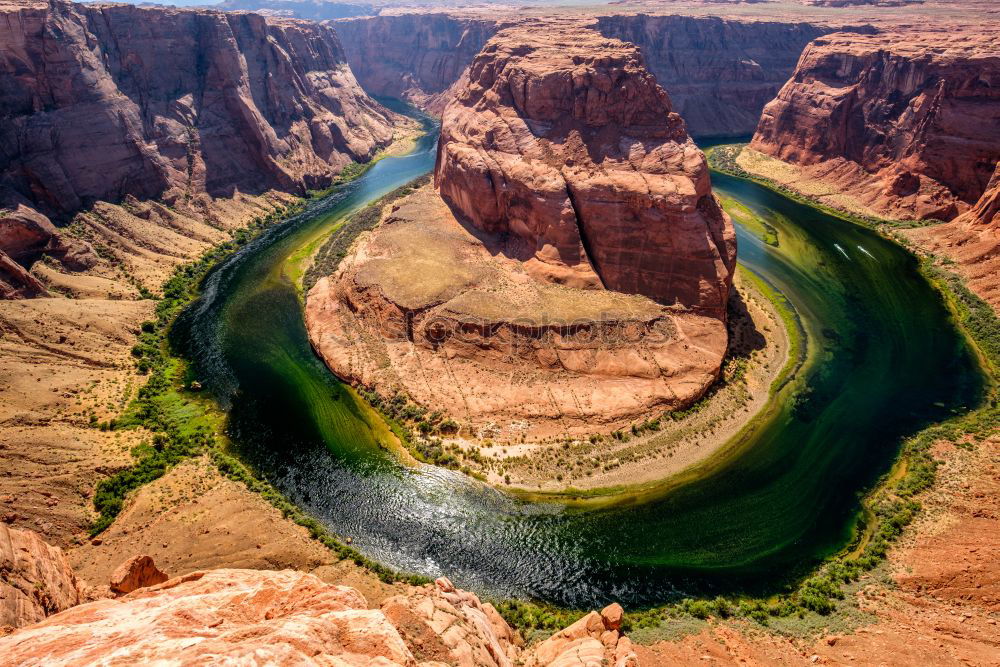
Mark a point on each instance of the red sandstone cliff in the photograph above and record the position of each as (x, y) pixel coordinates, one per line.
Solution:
(720, 73)
(564, 140)
(972, 241)
(103, 101)
(36, 580)
(575, 246)
(904, 125)
(108, 100)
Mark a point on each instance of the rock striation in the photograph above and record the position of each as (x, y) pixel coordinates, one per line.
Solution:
(106, 101)
(179, 102)
(264, 617)
(972, 241)
(565, 141)
(36, 580)
(719, 72)
(904, 126)
(429, 308)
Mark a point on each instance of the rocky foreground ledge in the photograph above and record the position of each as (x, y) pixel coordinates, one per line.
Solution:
(259, 617)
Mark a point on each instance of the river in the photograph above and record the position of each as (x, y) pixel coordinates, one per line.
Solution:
(884, 359)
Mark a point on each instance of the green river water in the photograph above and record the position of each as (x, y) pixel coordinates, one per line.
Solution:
(883, 360)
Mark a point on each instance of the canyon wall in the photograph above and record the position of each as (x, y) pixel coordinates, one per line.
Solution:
(563, 139)
(720, 73)
(901, 126)
(104, 101)
(972, 241)
(413, 57)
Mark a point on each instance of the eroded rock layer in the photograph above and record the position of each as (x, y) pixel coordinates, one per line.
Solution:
(447, 315)
(564, 141)
(104, 101)
(107, 100)
(972, 241)
(260, 617)
(36, 580)
(902, 125)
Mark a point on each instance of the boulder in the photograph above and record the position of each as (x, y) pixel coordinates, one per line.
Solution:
(135, 573)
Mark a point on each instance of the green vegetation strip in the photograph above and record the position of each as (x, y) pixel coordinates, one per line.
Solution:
(752, 222)
(185, 424)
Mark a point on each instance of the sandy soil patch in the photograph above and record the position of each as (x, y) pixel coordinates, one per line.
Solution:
(193, 518)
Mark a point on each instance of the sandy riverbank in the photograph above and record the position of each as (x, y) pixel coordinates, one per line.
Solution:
(759, 350)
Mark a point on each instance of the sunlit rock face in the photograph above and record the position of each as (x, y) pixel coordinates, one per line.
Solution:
(904, 124)
(563, 139)
(261, 617)
(572, 270)
(719, 72)
(103, 101)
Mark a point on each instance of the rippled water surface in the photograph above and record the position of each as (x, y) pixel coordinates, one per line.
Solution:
(884, 359)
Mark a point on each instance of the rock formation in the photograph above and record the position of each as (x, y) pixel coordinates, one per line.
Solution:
(36, 580)
(413, 57)
(563, 140)
(104, 101)
(972, 241)
(288, 617)
(425, 307)
(26, 235)
(135, 573)
(899, 125)
(574, 272)
(107, 100)
(719, 72)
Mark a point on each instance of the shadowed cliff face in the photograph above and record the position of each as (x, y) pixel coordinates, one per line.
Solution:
(415, 57)
(906, 124)
(104, 101)
(719, 73)
(563, 139)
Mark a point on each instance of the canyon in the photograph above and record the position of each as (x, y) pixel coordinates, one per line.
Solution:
(898, 126)
(719, 72)
(542, 226)
(209, 122)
